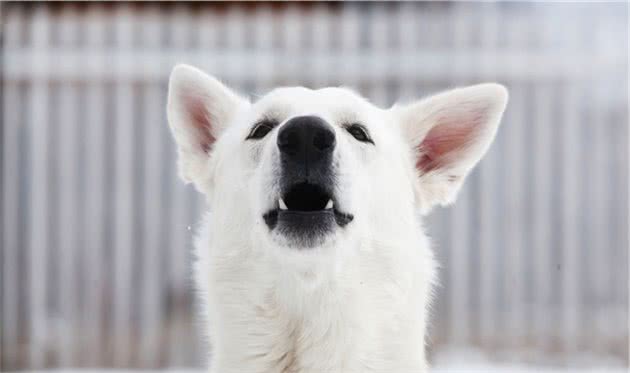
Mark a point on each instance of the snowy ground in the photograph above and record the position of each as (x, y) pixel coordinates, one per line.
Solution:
(464, 361)
(471, 368)
(470, 360)
(441, 368)
(520, 368)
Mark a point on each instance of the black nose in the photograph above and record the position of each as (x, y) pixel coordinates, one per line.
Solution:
(307, 138)
(306, 146)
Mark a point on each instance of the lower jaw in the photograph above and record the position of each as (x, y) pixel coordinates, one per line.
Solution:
(293, 217)
(302, 229)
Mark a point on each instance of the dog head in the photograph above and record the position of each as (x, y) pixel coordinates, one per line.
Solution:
(302, 168)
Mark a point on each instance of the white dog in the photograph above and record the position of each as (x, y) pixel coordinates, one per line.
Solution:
(314, 258)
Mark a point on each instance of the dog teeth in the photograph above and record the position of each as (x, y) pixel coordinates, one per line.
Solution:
(329, 205)
(283, 206)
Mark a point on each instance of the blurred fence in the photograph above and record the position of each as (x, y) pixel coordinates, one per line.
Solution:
(96, 225)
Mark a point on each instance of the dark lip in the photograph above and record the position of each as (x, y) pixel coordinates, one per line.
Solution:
(273, 216)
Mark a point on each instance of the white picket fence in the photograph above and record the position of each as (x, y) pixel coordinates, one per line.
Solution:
(96, 226)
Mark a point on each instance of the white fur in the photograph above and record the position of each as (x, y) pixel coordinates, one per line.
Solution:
(358, 302)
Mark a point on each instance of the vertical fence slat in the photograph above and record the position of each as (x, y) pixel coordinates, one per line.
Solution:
(514, 222)
(208, 26)
(151, 287)
(321, 32)
(124, 202)
(602, 240)
(377, 40)
(10, 219)
(620, 124)
(621, 239)
(235, 38)
(543, 236)
(350, 31)
(11, 153)
(599, 181)
(407, 29)
(573, 206)
(263, 38)
(290, 31)
(541, 201)
(94, 209)
(38, 234)
(67, 212)
(514, 186)
(571, 213)
(487, 217)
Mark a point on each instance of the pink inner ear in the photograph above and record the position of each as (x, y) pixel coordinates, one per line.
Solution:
(201, 122)
(445, 141)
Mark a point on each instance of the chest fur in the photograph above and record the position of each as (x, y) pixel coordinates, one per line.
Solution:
(367, 318)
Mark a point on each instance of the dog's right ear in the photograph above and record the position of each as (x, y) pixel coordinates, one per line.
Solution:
(199, 108)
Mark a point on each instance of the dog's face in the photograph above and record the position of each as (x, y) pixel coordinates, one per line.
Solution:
(303, 168)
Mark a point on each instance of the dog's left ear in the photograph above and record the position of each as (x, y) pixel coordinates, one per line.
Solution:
(199, 109)
(449, 133)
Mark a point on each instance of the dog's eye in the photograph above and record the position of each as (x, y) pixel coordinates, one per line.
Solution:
(261, 129)
(359, 132)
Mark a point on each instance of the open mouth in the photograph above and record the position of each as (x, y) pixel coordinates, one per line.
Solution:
(306, 197)
(306, 210)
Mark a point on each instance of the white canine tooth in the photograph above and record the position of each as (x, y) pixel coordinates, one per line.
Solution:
(329, 205)
(283, 206)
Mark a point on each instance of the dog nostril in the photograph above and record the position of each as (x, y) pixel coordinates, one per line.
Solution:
(288, 141)
(324, 139)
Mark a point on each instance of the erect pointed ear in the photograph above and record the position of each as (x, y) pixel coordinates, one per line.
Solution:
(199, 108)
(449, 133)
